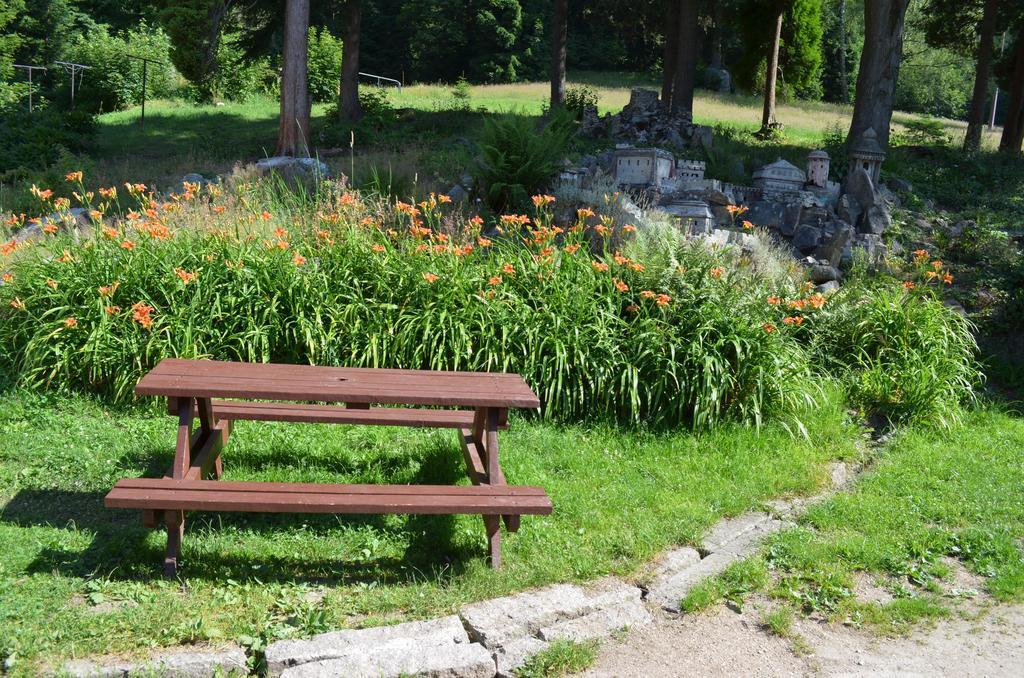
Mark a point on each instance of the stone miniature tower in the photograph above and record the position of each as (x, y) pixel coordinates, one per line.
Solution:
(866, 153)
(817, 169)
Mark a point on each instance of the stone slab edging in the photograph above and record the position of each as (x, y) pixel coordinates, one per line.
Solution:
(492, 638)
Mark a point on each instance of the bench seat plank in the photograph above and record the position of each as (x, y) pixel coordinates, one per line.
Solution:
(205, 495)
(331, 414)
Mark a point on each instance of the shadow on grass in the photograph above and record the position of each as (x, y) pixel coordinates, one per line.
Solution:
(122, 549)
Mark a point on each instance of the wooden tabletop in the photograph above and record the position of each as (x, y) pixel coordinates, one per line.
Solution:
(268, 381)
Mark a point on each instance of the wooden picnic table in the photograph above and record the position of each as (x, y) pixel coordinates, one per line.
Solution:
(219, 393)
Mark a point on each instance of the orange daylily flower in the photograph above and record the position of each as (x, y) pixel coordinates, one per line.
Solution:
(73, 176)
(508, 269)
(768, 328)
(716, 272)
(51, 283)
(621, 286)
(571, 249)
(17, 304)
(599, 265)
(141, 314)
(378, 248)
(108, 290)
(112, 310)
(947, 278)
(298, 259)
(793, 320)
(909, 285)
(128, 245)
(663, 299)
(430, 277)
(494, 280)
(186, 276)
(71, 322)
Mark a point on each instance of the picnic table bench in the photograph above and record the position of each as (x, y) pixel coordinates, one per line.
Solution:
(219, 393)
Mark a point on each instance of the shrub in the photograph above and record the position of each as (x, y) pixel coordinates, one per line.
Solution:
(379, 117)
(324, 65)
(923, 132)
(114, 81)
(684, 337)
(901, 353)
(30, 143)
(578, 98)
(517, 160)
(238, 77)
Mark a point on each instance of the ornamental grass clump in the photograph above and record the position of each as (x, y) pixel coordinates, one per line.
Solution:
(600, 325)
(900, 352)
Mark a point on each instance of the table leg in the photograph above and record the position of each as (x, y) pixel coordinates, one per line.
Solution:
(182, 461)
(175, 534)
(494, 420)
(209, 427)
(493, 525)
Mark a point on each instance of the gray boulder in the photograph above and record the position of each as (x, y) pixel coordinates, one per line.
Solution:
(284, 164)
(457, 193)
(849, 209)
(806, 238)
(791, 218)
(832, 249)
(828, 287)
(875, 215)
(900, 185)
(822, 274)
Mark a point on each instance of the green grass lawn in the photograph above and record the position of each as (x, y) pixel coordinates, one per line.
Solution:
(929, 497)
(77, 579)
(180, 137)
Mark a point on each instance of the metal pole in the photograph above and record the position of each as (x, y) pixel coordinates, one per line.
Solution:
(145, 74)
(31, 87)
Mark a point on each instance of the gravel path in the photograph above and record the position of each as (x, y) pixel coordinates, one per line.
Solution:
(724, 642)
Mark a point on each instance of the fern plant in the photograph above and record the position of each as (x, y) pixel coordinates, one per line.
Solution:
(518, 160)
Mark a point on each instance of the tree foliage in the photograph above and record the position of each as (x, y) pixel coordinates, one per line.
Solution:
(195, 30)
(800, 55)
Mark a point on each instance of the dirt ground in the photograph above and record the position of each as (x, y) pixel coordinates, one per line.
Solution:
(979, 639)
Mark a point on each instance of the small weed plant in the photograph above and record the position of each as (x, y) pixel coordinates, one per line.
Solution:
(561, 658)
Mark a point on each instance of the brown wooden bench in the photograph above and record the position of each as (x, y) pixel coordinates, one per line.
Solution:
(194, 481)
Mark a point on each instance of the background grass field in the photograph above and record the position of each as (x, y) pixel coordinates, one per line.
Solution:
(180, 137)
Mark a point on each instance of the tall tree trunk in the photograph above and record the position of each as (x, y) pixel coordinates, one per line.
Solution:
(671, 57)
(715, 58)
(1013, 126)
(879, 68)
(976, 115)
(293, 130)
(349, 109)
(844, 76)
(560, 33)
(686, 58)
(771, 73)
